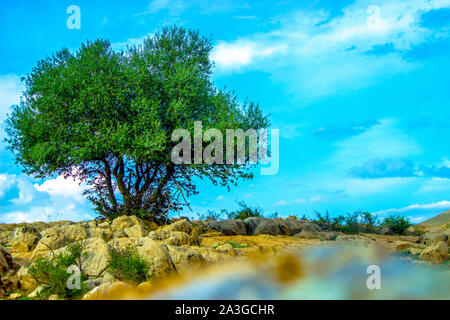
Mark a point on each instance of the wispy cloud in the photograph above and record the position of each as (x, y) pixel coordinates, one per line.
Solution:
(439, 206)
(310, 48)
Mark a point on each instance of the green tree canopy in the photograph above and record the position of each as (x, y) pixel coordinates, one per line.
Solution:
(107, 117)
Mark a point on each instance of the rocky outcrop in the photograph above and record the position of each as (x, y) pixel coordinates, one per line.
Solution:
(26, 281)
(59, 236)
(25, 238)
(229, 227)
(161, 263)
(436, 253)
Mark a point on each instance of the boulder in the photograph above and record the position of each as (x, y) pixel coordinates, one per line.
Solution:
(307, 234)
(178, 238)
(229, 227)
(136, 231)
(273, 227)
(97, 256)
(435, 236)
(107, 290)
(161, 263)
(97, 232)
(6, 262)
(180, 225)
(25, 239)
(26, 281)
(59, 236)
(184, 257)
(436, 253)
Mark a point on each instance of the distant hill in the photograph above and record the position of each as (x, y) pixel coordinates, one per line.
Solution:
(437, 221)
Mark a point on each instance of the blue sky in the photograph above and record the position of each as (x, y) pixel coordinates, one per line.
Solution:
(358, 89)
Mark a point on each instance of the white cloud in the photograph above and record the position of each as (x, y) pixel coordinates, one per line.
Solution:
(295, 201)
(220, 197)
(62, 188)
(233, 56)
(310, 51)
(442, 205)
(26, 192)
(6, 182)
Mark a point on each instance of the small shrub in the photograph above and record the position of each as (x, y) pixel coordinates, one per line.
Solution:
(370, 222)
(213, 215)
(351, 223)
(245, 211)
(397, 224)
(324, 220)
(52, 274)
(127, 265)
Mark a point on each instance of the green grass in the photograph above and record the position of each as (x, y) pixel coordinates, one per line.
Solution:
(233, 244)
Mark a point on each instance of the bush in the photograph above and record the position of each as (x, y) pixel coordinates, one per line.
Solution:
(245, 211)
(396, 223)
(52, 274)
(213, 215)
(127, 265)
(370, 222)
(351, 223)
(324, 220)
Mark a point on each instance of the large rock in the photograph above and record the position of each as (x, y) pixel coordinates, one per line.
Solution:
(435, 236)
(25, 239)
(181, 225)
(178, 238)
(306, 234)
(98, 232)
(109, 290)
(273, 227)
(288, 226)
(26, 281)
(229, 227)
(136, 231)
(185, 257)
(59, 236)
(161, 263)
(97, 259)
(4, 265)
(436, 253)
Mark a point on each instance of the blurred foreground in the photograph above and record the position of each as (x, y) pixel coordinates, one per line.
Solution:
(338, 272)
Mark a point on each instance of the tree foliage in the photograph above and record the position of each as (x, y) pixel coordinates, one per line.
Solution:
(106, 118)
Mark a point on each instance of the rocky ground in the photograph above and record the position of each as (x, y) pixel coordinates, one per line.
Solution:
(185, 246)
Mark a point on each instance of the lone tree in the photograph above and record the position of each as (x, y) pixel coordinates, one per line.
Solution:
(106, 118)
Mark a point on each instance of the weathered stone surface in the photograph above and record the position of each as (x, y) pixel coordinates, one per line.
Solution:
(184, 257)
(273, 227)
(97, 232)
(25, 239)
(436, 253)
(59, 236)
(136, 231)
(26, 281)
(229, 227)
(178, 238)
(6, 261)
(97, 256)
(181, 225)
(103, 291)
(316, 235)
(435, 236)
(161, 263)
